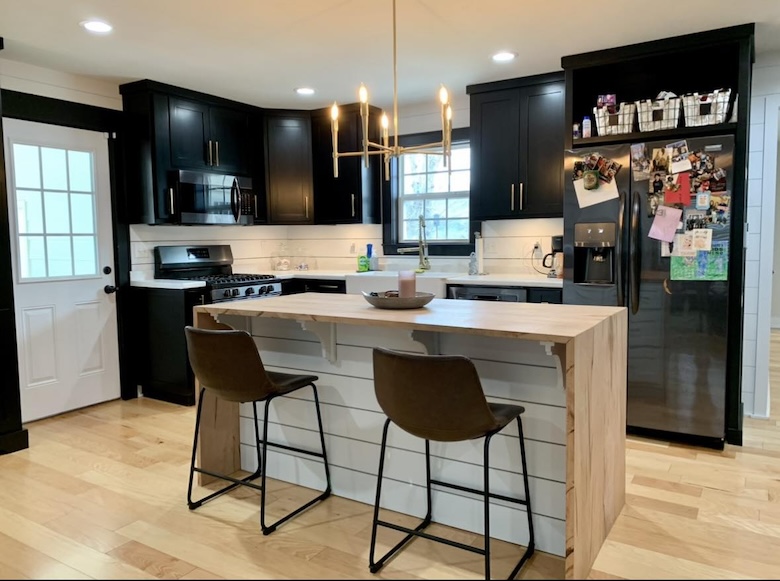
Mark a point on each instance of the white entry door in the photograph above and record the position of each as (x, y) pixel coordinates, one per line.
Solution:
(59, 205)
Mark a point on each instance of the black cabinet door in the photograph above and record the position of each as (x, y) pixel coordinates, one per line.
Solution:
(288, 168)
(545, 295)
(229, 135)
(495, 130)
(540, 191)
(354, 196)
(189, 127)
(10, 407)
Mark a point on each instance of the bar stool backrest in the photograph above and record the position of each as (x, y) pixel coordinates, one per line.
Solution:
(228, 364)
(435, 397)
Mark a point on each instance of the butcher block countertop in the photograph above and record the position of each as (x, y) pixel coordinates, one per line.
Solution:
(532, 321)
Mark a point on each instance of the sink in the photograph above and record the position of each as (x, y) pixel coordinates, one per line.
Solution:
(383, 280)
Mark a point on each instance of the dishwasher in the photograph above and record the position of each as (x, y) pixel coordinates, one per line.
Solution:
(487, 293)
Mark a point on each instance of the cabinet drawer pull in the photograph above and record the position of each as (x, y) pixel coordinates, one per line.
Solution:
(216, 148)
(512, 198)
(170, 196)
(306, 205)
(353, 205)
(210, 157)
(521, 196)
(255, 205)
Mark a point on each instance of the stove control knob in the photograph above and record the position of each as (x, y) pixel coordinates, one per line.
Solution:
(226, 293)
(235, 292)
(249, 291)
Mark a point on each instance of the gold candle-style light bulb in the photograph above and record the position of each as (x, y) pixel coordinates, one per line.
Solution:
(363, 96)
(334, 132)
(444, 96)
(386, 142)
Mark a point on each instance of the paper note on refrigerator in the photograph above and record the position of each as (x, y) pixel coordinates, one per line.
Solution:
(702, 239)
(665, 223)
(604, 193)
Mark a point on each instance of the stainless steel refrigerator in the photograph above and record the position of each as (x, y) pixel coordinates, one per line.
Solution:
(677, 298)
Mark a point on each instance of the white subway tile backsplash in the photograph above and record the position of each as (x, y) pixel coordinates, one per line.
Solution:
(751, 300)
(754, 219)
(747, 403)
(753, 246)
(756, 137)
(754, 192)
(748, 353)
(528, 227)
(751, 273)
(755, 164)
(750, 325)
(757, 105)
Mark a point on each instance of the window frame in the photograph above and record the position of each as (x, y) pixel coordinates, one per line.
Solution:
(390, 243)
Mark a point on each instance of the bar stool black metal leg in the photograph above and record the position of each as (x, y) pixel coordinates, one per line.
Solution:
(268, 529)
(531, 542)
(486, 500)
(429, 513)
(191, 504)
(372, 565)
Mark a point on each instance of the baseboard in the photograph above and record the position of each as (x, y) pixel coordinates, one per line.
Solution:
(14, 441)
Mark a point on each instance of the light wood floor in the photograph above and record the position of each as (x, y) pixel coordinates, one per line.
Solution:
(100, 493)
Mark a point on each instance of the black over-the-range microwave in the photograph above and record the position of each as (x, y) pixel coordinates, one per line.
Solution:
(211, 198)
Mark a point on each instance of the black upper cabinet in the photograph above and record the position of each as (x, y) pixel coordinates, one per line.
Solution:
(288, 167)
(170, 128)
(517, 142)
(354, 197)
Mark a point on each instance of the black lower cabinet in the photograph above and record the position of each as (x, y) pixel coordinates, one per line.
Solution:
(12, 436)
(161, 363)
(545, 295)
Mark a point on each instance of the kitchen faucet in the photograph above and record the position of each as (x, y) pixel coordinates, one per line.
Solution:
(422, 247)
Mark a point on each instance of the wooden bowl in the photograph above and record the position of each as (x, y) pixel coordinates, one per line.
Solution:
(391, 300)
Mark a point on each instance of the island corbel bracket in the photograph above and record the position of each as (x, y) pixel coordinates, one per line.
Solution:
(326, 333)
(427, 339)
(558, 352)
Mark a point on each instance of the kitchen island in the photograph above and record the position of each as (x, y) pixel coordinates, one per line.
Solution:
(565, 364)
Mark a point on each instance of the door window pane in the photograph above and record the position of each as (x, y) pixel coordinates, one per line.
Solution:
(58, 256)
(56, 227)
(84, 257)
(27, 172)
(82, 213)
(80, 168)
(55, 173)
(29, 212)
(32, 257)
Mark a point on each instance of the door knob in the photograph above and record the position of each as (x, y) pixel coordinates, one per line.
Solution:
(109, 289)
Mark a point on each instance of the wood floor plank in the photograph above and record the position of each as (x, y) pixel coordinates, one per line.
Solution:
(151, 560)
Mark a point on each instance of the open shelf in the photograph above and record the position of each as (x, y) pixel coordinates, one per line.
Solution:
(672, 134)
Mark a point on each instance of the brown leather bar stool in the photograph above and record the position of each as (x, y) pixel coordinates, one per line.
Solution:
(440, 398)
(228, 365)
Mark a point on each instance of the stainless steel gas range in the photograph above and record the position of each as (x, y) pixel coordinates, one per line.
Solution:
(213, 265)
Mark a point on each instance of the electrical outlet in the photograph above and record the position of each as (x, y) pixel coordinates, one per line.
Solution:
(352, 248)
(537, 249)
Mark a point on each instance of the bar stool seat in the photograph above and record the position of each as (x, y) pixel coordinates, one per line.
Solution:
(228, 365)
(440, 398)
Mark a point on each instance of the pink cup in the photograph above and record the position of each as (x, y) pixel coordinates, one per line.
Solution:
(407, 284)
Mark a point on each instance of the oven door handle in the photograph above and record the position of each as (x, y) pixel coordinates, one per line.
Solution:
(235, 200)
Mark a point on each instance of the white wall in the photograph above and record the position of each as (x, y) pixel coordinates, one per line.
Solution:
(762, 186)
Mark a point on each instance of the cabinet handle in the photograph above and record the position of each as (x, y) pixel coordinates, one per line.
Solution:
(170, 196)
(512, 198)
(210, 158)
(521, 196)
(255, 205)
(216, 147)
(353, 205)
(306, 205)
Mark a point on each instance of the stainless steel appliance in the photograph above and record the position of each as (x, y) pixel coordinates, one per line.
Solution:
(211, 198)
(213, 265)
(488, 293)
(678, 361)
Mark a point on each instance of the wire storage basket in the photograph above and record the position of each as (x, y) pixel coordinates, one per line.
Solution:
(614, 121)
(658, 114)
(706, 109)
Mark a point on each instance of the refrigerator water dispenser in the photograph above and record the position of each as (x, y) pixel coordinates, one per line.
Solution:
(594, 253)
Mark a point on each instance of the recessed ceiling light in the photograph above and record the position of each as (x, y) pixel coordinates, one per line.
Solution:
(504, 56)
(304, 91)
(97, 26)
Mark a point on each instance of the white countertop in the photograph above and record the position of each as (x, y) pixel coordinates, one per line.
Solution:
(320, 274)
(507, 280)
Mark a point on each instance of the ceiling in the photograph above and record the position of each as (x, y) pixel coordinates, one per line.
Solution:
(259, 51)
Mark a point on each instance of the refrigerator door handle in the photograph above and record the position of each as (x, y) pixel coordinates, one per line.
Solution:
(620, 271)
(634, 253)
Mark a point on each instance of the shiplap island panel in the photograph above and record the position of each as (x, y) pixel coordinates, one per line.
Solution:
(565, 364)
